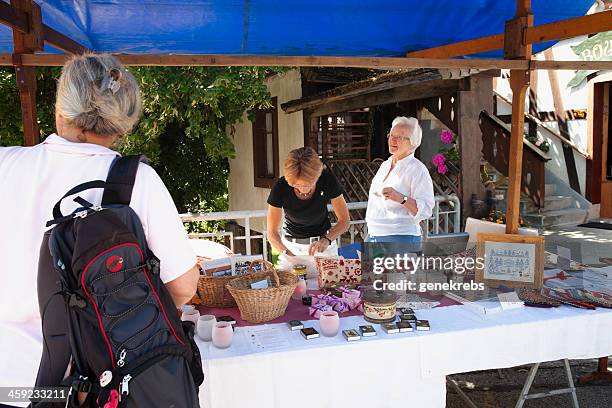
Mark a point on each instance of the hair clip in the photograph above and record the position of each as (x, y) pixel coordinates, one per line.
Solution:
(111, 81)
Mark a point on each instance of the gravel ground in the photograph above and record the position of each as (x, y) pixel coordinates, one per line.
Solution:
(487, 390)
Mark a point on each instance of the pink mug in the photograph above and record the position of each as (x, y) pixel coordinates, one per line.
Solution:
(330, 323)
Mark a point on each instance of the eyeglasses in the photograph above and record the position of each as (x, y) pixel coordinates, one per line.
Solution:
(393, 137)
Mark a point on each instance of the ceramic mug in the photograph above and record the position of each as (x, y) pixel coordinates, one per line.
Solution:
(205, 327)
(222, 335)
(330, 323)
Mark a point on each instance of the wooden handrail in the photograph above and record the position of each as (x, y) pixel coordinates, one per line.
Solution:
(528, 144)
(550, 130)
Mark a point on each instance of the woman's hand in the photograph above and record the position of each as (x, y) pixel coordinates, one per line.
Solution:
(318, 246)
(392, 194)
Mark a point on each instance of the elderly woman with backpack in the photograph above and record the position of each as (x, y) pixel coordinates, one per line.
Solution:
(117, 248)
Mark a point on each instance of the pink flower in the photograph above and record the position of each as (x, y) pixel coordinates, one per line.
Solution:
(442, 169)
(447, 137)
(438, 159)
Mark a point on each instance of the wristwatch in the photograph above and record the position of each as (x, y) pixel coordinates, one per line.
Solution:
(285, 251)
(327, 238)
(404, 200)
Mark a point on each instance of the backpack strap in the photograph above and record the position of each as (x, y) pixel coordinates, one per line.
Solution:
(57, 212)
(120, 180)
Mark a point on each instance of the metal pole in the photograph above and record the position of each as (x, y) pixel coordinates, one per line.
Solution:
(247, 234)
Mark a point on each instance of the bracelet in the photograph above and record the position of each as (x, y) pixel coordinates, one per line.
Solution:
(327, 238)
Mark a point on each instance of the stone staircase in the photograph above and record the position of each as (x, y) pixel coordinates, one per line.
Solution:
(560, 208)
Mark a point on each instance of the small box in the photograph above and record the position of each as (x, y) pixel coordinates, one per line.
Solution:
(226, 318)
(390, 328)
(422, 325)
(295, 325)
(410, 318)
(351, 335)
(404, 326)
(307, 300)
(309, 333)
(367, 331)
(406, 310)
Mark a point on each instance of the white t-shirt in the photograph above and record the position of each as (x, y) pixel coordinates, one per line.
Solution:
(409, 177)
(33, 179)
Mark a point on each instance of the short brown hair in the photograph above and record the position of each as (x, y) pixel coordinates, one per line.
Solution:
(303, 164)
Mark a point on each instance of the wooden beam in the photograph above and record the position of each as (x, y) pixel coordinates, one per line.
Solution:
(539, 122)
(483, 44)
(30, 40)
(469, 106)
(12, 17)
(60, 41)
(316, 61)
(26, 76)
(559, 30)
(24, 17)
(570, 161)
(290, 61)
(519, 82)
(367, 86)
(572, 65)
(26, 82)
(533, 103)
(393, 95)
(572, 27)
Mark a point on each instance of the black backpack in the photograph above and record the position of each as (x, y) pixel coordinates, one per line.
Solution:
(109, 317)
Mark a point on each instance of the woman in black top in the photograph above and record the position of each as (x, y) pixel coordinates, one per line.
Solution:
(303, 193)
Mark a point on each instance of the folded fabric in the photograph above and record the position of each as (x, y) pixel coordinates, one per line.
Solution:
(340, 305)
(316, 310)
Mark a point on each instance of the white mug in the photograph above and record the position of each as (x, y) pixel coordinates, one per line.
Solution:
(205, 327)
(222, 335)
(190, 316)
(330, 323)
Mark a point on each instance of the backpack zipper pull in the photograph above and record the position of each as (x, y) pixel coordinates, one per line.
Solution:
(125, 390)
(121, 361)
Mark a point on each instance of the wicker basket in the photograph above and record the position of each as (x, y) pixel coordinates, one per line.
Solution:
(262, 305)
(213, 293)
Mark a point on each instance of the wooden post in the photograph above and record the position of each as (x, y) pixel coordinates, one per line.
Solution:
(533, 102)
(469, 105)
(602, 376)
(561, 118)
(26, 81)
(515, 48)
(27, 43)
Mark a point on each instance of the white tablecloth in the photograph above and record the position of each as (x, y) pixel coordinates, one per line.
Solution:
(383, 371)
(407, 368)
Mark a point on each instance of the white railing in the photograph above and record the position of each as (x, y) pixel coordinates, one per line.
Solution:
(445, 219)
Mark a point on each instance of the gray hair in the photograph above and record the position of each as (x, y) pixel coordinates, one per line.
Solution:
(414, 129)
(96, 93)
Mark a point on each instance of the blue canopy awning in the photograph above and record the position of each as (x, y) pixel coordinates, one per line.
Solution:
(276, 27)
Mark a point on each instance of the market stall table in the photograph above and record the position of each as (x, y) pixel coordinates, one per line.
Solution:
(388, 370)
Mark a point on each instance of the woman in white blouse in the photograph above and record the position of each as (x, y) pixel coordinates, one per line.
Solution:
(401, 193)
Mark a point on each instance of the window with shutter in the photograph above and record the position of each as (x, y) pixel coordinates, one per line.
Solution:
(265, 146)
